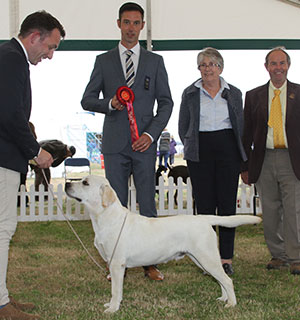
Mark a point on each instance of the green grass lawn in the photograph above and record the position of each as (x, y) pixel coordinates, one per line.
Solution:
(47, 266)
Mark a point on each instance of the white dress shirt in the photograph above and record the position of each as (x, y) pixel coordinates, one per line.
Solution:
(135, 56)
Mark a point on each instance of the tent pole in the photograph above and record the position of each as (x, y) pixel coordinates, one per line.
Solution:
(14, 11)
(149, 26)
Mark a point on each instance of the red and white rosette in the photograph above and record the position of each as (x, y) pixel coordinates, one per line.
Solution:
(126, 97)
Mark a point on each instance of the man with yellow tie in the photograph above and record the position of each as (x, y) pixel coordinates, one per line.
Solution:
(272, 143)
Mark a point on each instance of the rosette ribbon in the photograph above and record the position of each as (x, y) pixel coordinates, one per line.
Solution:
(126, 97)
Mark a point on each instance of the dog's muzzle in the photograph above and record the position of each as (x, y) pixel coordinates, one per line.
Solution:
(68, 186)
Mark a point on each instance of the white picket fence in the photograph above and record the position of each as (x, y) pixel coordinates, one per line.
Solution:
(42, 210)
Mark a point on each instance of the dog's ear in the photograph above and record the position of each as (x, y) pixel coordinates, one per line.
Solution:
(108, 196)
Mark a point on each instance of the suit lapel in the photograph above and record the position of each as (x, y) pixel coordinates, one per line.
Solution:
(263, 102)
(226, 94)
(194, 96)
(290, 100)
(141, 67)
(118, 70)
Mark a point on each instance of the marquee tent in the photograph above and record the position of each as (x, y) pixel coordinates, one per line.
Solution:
(171, 24)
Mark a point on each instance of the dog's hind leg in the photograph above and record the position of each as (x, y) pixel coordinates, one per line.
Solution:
(210, 262)
(225, 283)
(227, 289)
(117, 271)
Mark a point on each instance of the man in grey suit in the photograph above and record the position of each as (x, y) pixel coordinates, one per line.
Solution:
(122, 157)
(273, 150)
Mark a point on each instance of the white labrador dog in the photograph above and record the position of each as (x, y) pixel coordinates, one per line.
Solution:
(145, 241)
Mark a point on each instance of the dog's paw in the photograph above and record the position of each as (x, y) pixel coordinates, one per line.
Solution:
(230, 304)
(223, 299)
(111, 309)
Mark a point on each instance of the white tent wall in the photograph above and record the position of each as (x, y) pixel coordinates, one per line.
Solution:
(4, 19)
(90, 19)
(171, 19)
(219, 19)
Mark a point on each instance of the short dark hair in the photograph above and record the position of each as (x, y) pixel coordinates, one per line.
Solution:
(42, 21)
(131, 6)
(282, 49)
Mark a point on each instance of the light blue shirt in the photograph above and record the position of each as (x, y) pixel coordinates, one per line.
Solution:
(214, 113)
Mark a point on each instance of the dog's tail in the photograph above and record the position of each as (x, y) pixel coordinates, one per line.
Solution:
(231, 221)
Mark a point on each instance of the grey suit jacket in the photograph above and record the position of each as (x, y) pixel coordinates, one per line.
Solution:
(150, 85)
(189, 119)
(256, 128)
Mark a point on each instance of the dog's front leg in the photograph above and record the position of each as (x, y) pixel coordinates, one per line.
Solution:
(117, 271)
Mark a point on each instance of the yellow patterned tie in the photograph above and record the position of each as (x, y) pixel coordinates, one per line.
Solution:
(275, 121)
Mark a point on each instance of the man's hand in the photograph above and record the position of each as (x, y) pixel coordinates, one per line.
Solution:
(244, 176)
(115, 103)
(44, 159)
(142, 144)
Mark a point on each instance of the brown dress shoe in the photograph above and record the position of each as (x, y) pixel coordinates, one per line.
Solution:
(153, 273)
(21, 306)
(276, 264)
(295, 268)
(11, 313)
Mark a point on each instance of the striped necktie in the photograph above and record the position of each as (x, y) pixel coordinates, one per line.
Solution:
(129, 69)
(275, 121)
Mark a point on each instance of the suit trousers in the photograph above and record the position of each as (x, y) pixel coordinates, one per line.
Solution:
(215, 181)
(279, 191)
(9, 184)
(118, 169)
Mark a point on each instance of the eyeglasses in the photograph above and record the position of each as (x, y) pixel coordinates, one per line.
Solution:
(210, 65)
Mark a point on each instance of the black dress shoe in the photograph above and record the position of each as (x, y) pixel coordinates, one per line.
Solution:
(228, 269)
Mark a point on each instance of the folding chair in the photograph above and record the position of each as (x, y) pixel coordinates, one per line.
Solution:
(81, 167)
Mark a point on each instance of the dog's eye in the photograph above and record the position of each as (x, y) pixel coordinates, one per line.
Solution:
(85, 183)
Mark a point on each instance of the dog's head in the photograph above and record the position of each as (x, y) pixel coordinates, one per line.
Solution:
(161, 169)
(93, 191)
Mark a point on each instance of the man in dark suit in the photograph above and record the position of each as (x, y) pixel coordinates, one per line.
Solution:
(122, 157)
(39, 36)
(273, 150)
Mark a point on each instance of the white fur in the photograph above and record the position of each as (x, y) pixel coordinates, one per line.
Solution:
(147, 241)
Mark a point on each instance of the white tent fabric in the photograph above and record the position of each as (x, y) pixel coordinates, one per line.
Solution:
(171, 19)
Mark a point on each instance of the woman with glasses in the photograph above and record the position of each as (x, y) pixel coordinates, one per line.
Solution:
(210, 128)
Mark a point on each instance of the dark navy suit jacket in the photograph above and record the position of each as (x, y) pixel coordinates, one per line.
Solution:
(17, 144)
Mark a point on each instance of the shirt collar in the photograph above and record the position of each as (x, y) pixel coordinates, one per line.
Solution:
(224, 84)
(271, 85)
(21, 44)
(136, 49)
